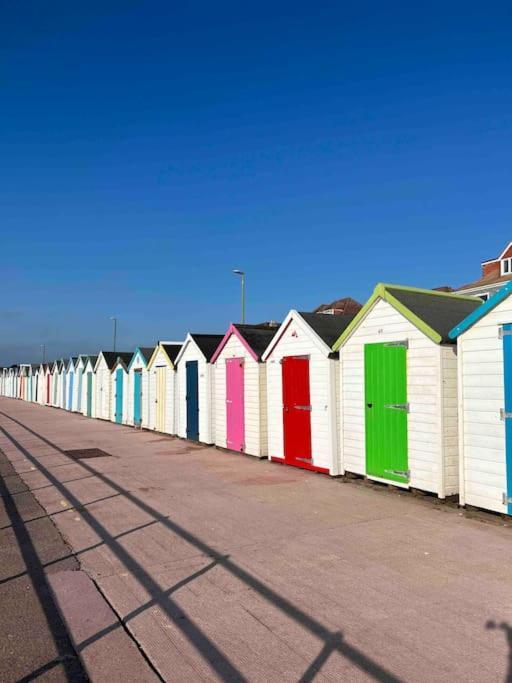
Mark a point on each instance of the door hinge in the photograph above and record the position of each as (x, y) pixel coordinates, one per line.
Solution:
(400, 473)
(503, 333)
(404, 344)
(507, 500)
(308, 408)
(504, 415)
(398, 406)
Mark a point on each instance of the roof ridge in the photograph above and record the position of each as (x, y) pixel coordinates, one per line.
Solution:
(422, 290)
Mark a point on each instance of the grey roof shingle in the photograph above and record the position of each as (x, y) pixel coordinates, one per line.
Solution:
(172, 351)
(257, 336)
(207, 343)
(440, 313)
(327, 327)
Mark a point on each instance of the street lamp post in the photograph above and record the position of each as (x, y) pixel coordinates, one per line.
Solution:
(43, 351)
(114, 319)
(242, 278)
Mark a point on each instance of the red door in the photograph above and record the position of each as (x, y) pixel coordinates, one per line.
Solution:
(296, 410)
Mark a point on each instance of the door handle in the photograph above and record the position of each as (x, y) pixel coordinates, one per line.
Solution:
(369, 405)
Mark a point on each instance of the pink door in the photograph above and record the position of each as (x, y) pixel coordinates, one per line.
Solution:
(235, 428)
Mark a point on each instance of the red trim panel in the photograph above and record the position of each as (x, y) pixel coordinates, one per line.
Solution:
(302, 465)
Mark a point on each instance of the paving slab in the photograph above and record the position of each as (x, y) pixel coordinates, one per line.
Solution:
(223, 567)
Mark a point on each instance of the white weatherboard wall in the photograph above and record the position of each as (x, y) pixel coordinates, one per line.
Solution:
(79, 381)
(297, 340)
(481, 397)
(41, 386)
(103, 388)
(206, 390)
(70, 372)
(63, 387)
(255, 398)
(160, 360)
(138, 363)
(431, 392)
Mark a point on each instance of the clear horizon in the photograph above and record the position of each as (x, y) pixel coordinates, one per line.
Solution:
(149, 150)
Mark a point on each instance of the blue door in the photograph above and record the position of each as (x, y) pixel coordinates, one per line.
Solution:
(507, 379)
(79, 395)
(119, 395)
(192, 400)
(137, 397)
(70, 391)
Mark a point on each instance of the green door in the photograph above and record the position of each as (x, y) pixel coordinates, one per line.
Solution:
(385, 371)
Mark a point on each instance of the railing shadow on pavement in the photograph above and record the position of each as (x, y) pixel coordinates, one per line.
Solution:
(507, 630)
(37, 576)
(332, 642)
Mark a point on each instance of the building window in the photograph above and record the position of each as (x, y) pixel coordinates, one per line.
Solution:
(506, 266)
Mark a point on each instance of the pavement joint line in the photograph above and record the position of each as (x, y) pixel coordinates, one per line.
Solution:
(40, 585)
(203, 644)
(120, 624)
(75, 553)
(147, 605)
(294, 612)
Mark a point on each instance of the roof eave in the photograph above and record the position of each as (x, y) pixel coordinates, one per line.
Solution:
(481, 311)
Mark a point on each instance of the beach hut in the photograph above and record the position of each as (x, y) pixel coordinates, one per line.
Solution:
(138, 389)
(241, 389)
(484, 341)
(69, 375)
(33, 384)
(40, 396)
(398, 378)
(103, 381)
(195, 387)
(47, 396)
(87, 398)
(119, 393)
(62, 390)
(302, 391)
(23, 385)
(15, 380)
(162, 409)
(76, 402)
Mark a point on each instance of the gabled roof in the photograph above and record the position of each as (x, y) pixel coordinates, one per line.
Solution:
(255, 338)
(145, 353)
(207, 343)
(112, 356)
(172, 351)
(481, 311)
(433, 313)
(327, 327)
(122, 362)
(493, 260)
(324, 329)
(71, 360)
(92, 360)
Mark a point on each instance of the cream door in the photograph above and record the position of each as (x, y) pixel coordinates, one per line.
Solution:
(161, 382)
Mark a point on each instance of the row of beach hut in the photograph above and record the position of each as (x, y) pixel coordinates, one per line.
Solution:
(414, 390)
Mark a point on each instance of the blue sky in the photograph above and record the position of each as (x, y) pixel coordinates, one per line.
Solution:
(148, 148)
